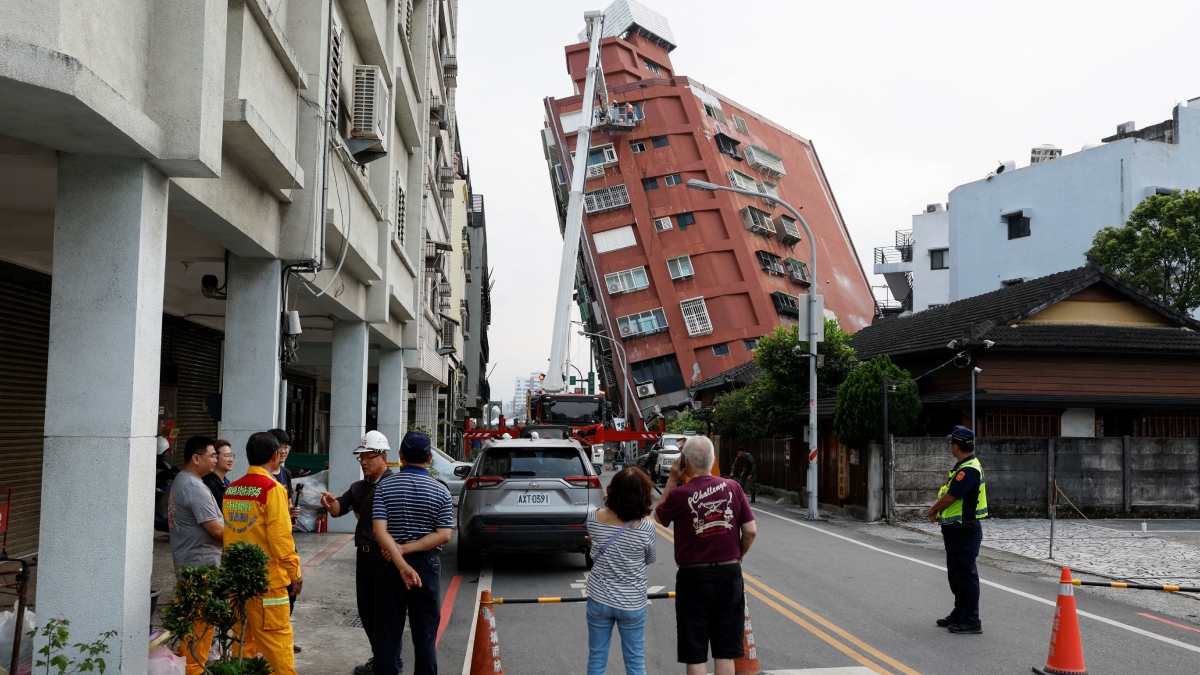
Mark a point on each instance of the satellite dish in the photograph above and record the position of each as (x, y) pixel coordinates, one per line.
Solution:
(1089, 146)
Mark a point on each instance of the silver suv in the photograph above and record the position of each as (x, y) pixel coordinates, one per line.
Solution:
(527, 494)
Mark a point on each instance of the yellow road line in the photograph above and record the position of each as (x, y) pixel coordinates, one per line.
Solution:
(831, 626)
(819, 619)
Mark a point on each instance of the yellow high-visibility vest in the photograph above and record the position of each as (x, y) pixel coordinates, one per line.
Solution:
(953, 513)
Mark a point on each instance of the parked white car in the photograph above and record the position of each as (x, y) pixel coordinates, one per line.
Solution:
(442, 470)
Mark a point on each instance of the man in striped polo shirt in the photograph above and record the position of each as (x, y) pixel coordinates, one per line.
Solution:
(413, 516)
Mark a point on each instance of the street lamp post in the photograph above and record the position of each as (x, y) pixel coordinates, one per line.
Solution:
(814, 325)
(624, 371)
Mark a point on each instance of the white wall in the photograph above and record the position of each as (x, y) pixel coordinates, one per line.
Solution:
(930, 287)
(1069, 199)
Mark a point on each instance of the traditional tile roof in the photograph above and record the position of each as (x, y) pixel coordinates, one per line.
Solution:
(736, 376)
(991, 316)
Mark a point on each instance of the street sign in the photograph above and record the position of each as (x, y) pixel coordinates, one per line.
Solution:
(572, 380)
(591, 382)
(803, 319)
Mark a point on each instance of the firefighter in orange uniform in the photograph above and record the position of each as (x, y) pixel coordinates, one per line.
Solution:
(256, 510)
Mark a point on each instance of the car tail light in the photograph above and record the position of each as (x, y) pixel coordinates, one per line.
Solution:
(583, 481)
(476, 482)
(491, 528)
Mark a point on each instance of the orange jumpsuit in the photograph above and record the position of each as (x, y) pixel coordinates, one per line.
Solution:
(256, 511)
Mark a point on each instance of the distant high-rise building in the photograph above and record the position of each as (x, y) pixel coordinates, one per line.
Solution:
(688, 281)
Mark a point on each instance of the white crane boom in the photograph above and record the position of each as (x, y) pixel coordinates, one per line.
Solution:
(556, 373)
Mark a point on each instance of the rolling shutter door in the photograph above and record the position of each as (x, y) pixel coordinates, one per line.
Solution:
(24, 342)
(192, 353)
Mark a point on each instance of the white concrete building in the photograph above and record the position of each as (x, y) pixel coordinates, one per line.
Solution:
(209, 166)
(917, 269)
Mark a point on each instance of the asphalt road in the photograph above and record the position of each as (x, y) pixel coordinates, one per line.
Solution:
(823, 595)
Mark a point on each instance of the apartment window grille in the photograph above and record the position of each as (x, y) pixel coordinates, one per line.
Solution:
(758, 221)
(768, 189)
(606, 198)
(660, 141)
(741, 181)
(789, 231)
(1170, 424)
(786, 303)
(652, 67)
(939, 259)
(615, 239)
(408, 20)
(695, 317)
(750, 344)
(649, 184)
(1021, 422)
(333, 111)
(740, 124)
(595, 171)
(604, 154)
(643, 323)
(714, 112)
(400, 206)
(680, 268)
(685, 219)
(662, 224)
(627, 281)
(721, 349)
(765, 161)
(770, 263)
(1018, 225)
(728, 146)
(637, 146)
(797, 271)
(672, 179)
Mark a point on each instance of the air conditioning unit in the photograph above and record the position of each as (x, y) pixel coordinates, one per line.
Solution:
(646, 390)
(370, 118)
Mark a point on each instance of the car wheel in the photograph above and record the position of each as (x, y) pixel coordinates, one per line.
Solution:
(588, 560)
(468, 558)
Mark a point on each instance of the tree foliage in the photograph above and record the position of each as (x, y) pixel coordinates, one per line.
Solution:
(1158, 249)
(686, 422)
(781, 396)
(733, 416)
(858, 417)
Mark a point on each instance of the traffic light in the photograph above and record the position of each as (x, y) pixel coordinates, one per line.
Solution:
(542, 377)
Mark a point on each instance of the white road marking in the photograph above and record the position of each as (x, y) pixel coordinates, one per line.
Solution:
(852, 670)
(1023, 594)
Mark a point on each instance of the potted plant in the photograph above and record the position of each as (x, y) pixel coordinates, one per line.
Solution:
(218, 597)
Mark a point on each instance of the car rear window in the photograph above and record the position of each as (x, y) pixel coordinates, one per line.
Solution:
(532, 463)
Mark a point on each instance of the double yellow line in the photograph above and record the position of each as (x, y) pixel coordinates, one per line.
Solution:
(846, 644)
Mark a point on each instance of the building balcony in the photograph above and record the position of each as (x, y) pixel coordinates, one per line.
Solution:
(765, 161)
(893, 259)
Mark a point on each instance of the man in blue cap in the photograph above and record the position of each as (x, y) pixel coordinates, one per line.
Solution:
(961, 504)
(413, 515)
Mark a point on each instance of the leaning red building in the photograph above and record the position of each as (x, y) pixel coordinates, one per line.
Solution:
(688, 281)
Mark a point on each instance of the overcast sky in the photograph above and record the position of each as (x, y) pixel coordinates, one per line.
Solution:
(903, 101)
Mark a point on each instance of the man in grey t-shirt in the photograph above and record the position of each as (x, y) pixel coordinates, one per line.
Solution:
(193, 515)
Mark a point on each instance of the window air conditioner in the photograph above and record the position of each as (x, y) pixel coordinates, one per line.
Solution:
(369, 121)
(646, 390)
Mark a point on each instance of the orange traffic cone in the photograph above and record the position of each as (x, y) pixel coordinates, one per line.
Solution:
(485, 660)
(1066, 649)
(748, 664)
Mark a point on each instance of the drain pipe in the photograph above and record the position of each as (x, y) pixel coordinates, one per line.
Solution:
(325, 137)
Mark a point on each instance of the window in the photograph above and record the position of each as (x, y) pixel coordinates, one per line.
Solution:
(750, 344)
(786, 303)
(758, 221)
(727, 146)
(660, 141)
(637, 146)
(769, 262)
(652, 67)
(662, 224)
(1163, 424)
(1018, 225)
(627, 281)
(672, 179)
(740, 180)
(614, 240)
(939, 259)
(604, 154)
(740, 124)
(680, 268)
(1021, 422)
(605, 199)
(685, 219)
(644, 323)
(714, 112)
(649, 184)
(663, 371)
(797, 271)
(721, 349)
(695, 316)
(560, 175)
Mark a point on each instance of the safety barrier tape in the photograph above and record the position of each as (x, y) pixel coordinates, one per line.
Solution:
(1142, 587)
(546, 601)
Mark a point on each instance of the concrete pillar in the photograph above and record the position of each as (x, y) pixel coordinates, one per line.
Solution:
(1127, 473)
(347, 410)
(96, 552)
(393, 398)
(250, 379)
(427, 408)
(876, 499)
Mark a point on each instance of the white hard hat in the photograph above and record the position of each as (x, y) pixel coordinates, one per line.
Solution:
(373, 441)
(163, 445)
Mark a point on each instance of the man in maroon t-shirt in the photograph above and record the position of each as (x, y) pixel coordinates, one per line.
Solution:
(714, 527)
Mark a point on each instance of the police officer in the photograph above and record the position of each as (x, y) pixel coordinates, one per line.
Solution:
(961, 504)
(370, 565)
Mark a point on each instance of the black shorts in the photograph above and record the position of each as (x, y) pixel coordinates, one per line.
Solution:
(710, 608)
